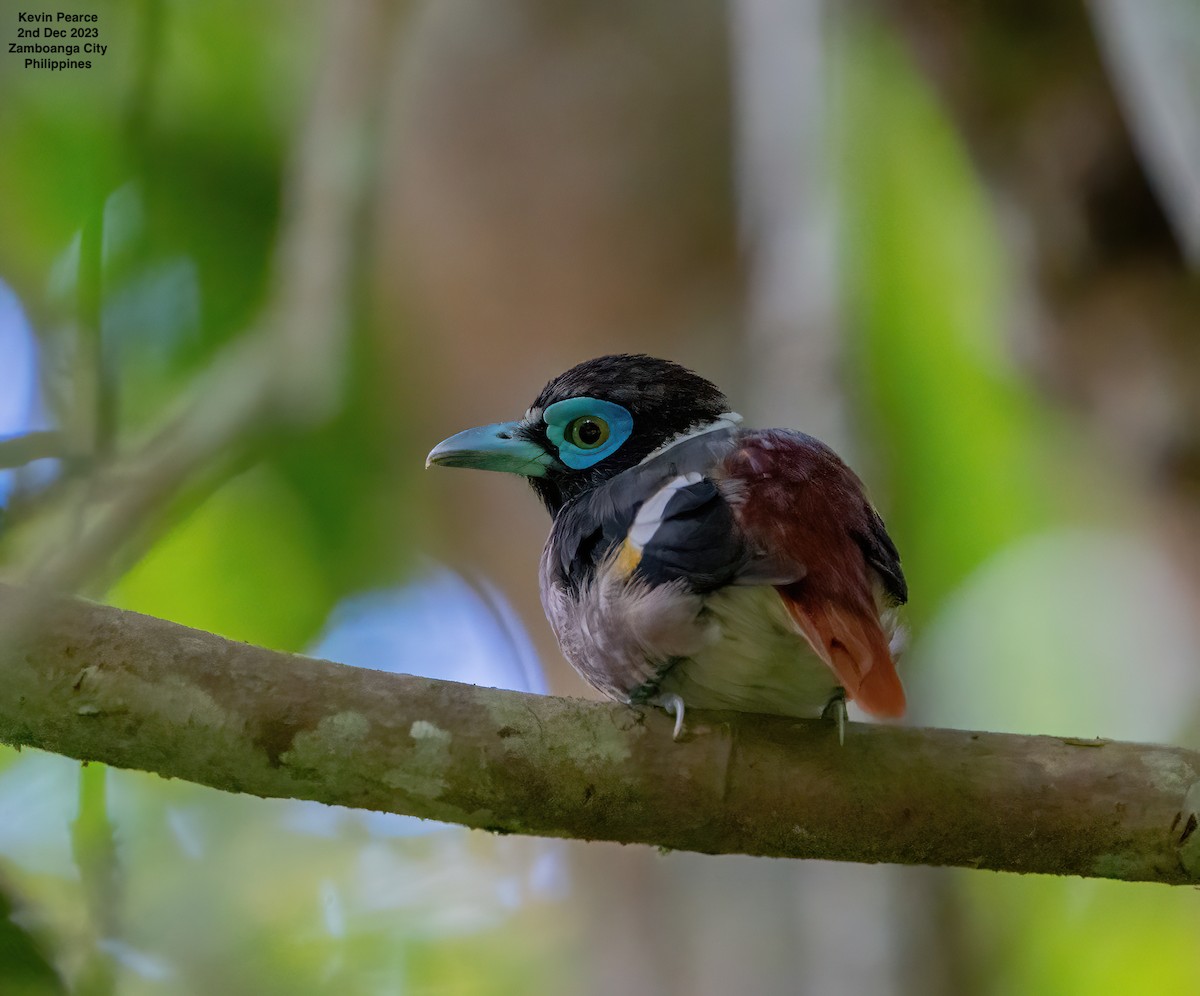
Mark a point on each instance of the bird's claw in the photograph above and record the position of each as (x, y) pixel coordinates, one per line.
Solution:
(673, 705)
(835, 709)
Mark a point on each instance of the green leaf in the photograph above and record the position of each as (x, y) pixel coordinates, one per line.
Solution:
(926, 288)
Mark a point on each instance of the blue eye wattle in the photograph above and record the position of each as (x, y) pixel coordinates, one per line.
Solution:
(586, 430)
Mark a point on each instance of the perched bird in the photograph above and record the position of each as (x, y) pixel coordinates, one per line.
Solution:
(695, 562)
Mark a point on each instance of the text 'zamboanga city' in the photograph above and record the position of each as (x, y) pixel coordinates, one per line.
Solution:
(38, 34)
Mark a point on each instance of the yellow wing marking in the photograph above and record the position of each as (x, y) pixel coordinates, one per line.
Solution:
(628, 557)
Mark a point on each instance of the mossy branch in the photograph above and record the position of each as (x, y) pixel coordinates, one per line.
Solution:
(97, 683)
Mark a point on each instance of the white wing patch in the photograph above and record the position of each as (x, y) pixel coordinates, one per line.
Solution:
(649, 516)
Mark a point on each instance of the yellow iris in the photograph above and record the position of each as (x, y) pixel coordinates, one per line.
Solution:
(587, 432)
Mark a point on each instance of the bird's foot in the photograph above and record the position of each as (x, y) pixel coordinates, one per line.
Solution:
(673, 705)
(835, 709)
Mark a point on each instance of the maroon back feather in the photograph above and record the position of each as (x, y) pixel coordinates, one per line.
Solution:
(803, 506)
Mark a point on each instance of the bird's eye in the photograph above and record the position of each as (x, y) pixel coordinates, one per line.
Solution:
(587, 432)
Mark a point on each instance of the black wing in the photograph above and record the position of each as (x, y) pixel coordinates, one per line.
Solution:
(881, 553)
(687, 531)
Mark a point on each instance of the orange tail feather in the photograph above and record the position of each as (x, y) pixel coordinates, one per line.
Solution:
(856, 651)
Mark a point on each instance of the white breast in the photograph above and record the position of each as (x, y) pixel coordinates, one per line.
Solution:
(756, 661)
(736, 648)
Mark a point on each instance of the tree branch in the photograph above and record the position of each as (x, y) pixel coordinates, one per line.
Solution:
(17, 451)
(101, 684)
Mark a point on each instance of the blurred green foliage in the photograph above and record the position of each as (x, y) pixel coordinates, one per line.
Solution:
(964, 445)
(252, 536)
(972, 464)
(25, 969)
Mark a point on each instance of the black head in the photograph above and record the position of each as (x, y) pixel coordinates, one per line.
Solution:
(591, 423)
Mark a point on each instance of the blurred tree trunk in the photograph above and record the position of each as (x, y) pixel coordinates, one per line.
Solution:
(562, 189)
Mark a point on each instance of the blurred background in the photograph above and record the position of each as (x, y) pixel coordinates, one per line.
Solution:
(262, 256)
